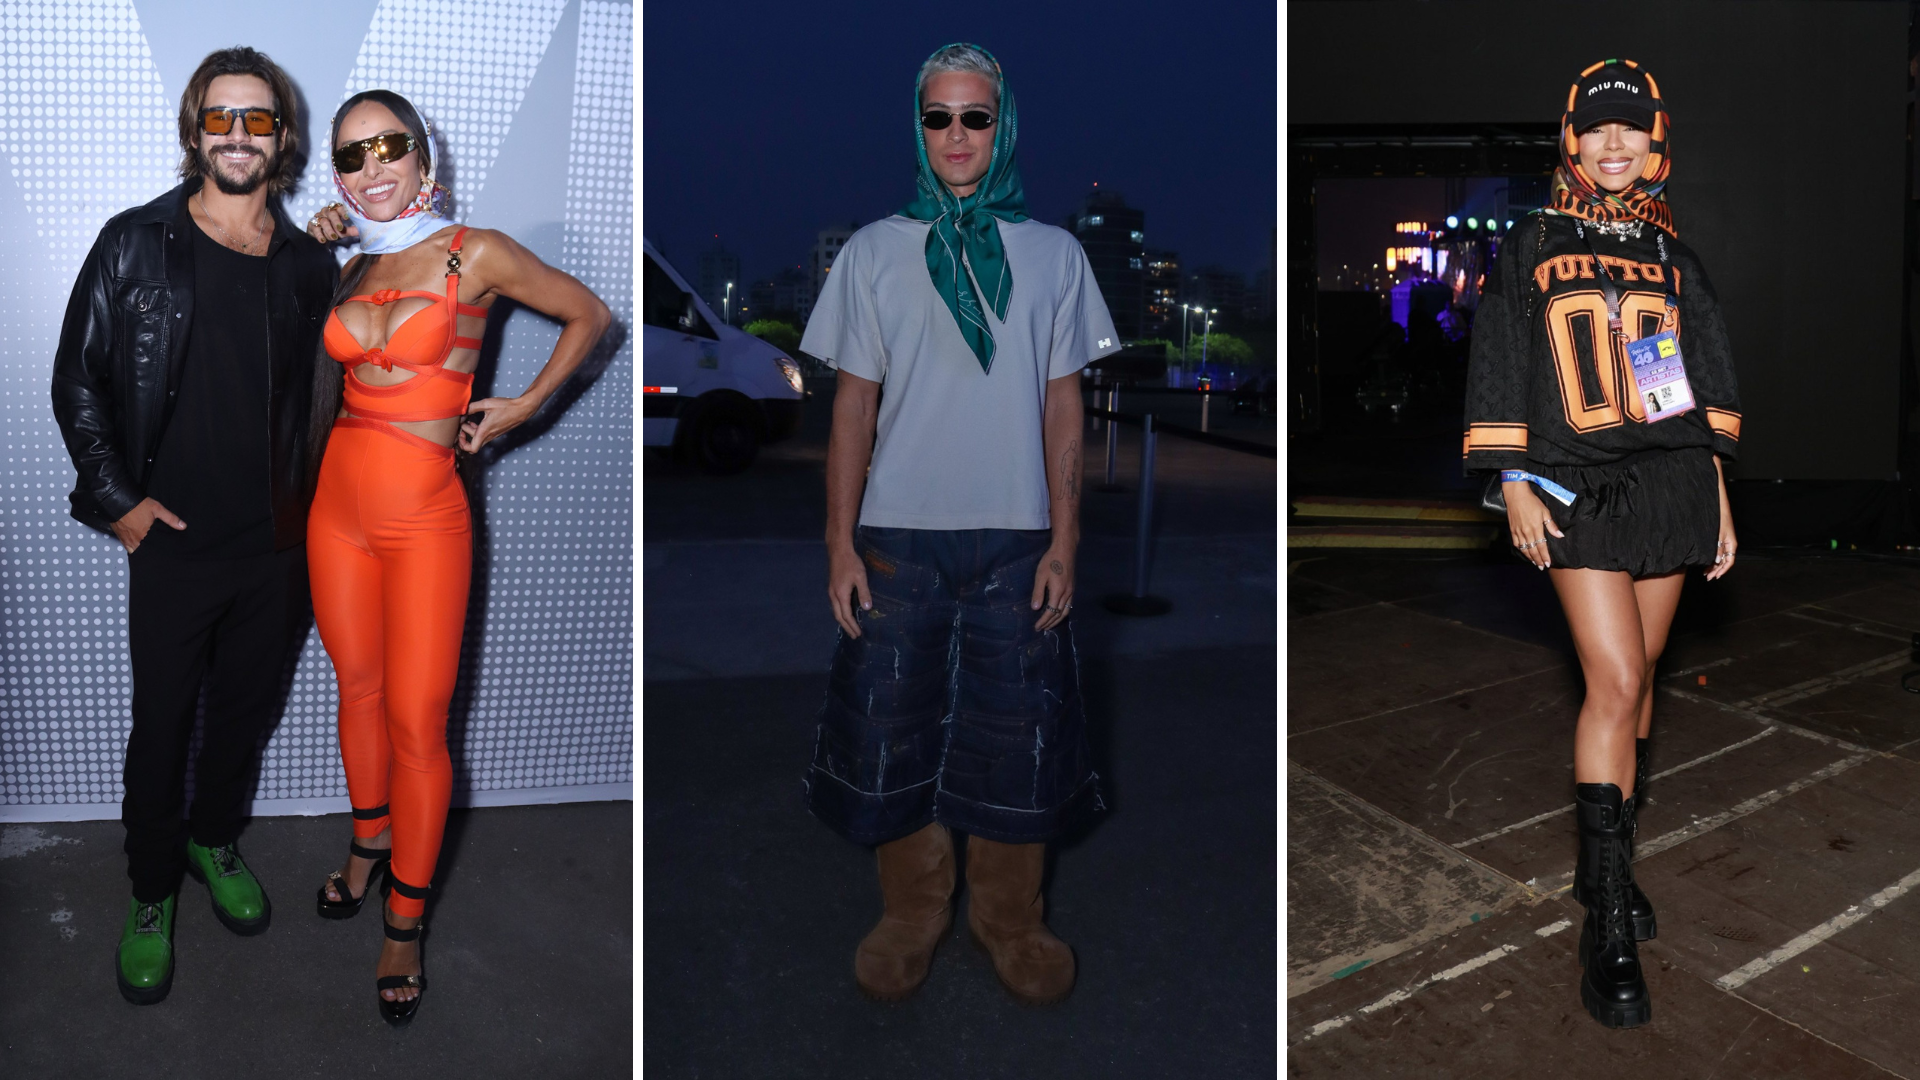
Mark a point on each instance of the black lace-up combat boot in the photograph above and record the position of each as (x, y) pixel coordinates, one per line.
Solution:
(1611, 987)
(1639, 908)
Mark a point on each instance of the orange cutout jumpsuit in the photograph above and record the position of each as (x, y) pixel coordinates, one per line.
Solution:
(389, 551)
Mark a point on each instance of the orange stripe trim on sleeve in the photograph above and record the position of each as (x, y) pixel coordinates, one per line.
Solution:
(1496, 437)
(1724, 422)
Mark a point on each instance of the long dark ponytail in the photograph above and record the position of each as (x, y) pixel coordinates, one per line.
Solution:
(329, 376)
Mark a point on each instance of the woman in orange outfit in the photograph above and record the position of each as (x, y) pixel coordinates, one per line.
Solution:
(389, 540)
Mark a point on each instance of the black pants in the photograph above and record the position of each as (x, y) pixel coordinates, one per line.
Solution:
(230, 623)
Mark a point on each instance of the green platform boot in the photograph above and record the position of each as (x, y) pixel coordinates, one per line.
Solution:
(143, 966)
(238, 900)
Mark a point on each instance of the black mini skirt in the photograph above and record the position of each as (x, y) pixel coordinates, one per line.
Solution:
(1653, 513)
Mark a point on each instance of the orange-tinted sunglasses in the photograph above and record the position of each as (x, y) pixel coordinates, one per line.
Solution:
(219, 121)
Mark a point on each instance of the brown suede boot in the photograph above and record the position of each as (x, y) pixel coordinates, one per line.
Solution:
(1003, 881)
(916, 887)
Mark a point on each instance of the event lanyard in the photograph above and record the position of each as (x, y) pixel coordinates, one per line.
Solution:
(1611, 290)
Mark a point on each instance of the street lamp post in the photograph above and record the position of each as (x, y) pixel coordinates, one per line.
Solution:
(1205, 334)
(726, 306)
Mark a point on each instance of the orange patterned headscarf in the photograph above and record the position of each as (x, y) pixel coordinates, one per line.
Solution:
(1575, 193)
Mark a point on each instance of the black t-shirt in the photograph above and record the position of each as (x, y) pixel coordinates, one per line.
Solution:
(211, 469)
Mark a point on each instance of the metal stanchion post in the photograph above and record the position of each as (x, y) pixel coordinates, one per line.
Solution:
(1138, 602)
(1205, 400)
(1113, 443)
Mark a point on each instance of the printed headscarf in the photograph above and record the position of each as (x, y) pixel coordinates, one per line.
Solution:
(1575, 193)
(970, 226)
(426, 215)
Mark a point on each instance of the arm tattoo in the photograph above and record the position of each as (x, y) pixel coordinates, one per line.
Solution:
(1070, 472)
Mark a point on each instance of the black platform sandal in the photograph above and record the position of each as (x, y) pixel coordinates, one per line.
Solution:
(398, 1013)
(349, 905)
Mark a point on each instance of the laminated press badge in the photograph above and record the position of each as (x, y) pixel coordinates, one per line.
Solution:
(1660, 373)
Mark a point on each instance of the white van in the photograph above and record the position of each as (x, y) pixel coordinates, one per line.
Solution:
(713, 392)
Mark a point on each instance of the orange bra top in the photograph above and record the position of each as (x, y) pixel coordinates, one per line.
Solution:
(421, 344)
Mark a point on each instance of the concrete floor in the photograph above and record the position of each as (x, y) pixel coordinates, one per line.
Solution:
(529, 958)
(753, 909)
(1430, 721)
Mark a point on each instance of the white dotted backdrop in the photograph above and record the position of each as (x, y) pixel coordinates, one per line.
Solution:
(531, 105)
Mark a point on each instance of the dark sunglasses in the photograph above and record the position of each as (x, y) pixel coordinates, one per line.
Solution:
(352, 157)
(219, 121)
(972, 119)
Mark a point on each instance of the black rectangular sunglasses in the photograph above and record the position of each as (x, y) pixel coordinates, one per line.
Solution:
(218, 120)
(389, 148)
(972, 119)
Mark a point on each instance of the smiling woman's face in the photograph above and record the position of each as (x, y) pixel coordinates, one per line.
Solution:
(383, 189)
(1614, 153)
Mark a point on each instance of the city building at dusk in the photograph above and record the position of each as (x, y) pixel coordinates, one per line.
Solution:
(1162, 294)
(1218, 288)
(1114, 237)
(788, 292)
(826, 246)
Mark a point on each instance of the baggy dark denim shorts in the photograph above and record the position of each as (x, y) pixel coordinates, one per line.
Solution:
(950, 706)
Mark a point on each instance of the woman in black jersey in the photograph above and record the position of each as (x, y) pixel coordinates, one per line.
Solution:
(1600, 373)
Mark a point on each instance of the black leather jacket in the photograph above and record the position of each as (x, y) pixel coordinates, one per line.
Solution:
(124, 341)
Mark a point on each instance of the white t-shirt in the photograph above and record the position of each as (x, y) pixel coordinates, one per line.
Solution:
(958, 447)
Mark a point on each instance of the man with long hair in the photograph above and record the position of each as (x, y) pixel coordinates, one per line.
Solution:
(181, 385)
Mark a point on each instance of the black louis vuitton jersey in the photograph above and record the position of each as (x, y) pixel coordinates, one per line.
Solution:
(1555, 387)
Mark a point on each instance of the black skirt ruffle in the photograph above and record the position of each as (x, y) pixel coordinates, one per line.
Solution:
(1654, 513)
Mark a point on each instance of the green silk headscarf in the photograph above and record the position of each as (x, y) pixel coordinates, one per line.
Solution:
(970, 226)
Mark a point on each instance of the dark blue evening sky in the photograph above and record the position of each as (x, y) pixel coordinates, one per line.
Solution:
(766, 122)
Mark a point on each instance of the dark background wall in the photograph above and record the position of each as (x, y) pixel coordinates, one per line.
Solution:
(1789, 142)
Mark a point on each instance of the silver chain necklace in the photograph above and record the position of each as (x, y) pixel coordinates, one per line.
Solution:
(243, 249)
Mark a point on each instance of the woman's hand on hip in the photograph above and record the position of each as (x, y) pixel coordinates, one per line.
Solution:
(1529, 523)
(497, 417)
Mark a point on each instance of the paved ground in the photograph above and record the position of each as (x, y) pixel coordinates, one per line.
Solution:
(1430, 709)
(753, 909)
(529, 958)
